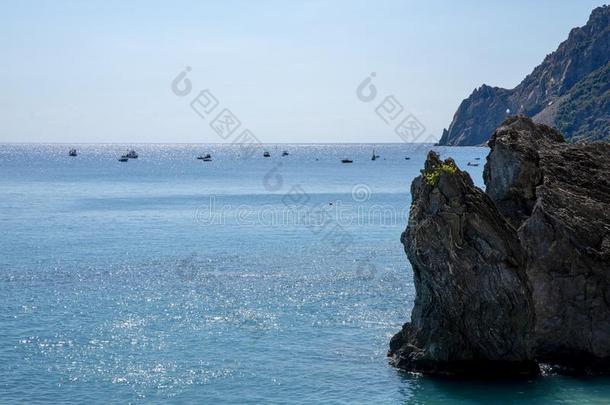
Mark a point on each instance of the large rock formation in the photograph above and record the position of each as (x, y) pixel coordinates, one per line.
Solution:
(536, 244)
(558, 196)
(570, 90)
(473, 313)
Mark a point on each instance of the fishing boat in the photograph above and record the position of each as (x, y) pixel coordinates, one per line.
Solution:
(346, 161)
(131, 154)
(266, 154)
(472, 164)
(407, 158)
(285, 153)
(123, 158)
(72, 152)
(206, 158)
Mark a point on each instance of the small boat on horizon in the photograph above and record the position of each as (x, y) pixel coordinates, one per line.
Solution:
(472, 164)
(375, 157)
(123, 158)
(206, 158)
(72, 152)
(407, 158)
(266, 154)
(285, 153)
(346, 161)
(131, 154)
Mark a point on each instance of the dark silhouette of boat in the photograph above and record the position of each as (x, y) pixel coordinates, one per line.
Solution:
(72, 152)
(131, 154)
(375, 157)
(346, 161)
(285, 153)
(407, 158)
(124, 158)
(472, 164)
(266, 154)
(206, 158)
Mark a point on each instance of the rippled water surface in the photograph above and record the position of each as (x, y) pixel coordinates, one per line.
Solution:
(238, 280)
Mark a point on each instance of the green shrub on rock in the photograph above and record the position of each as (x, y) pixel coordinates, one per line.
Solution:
(432, 176)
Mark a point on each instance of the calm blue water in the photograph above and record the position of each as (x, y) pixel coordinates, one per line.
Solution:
(171, 279)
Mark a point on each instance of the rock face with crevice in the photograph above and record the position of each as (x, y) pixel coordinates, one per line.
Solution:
(557, 195)
(473, 312)
(518, 273)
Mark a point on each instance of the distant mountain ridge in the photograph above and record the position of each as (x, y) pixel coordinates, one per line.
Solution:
(569, 90)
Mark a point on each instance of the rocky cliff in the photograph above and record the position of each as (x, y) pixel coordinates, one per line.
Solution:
(516, 273)
(473, 314)
(558, 197)
(570, 90)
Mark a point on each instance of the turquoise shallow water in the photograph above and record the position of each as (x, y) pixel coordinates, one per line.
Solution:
(170, 279)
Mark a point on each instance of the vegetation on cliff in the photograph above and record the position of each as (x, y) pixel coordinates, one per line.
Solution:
(585, 111)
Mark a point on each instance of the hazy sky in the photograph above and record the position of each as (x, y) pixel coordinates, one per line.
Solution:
(100, 71)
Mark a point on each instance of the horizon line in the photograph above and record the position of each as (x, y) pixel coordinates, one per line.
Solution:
(215, 143)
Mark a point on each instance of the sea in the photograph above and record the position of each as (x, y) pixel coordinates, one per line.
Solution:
(245, 279)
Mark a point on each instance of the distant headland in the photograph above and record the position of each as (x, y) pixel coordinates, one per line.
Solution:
(569, 90)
